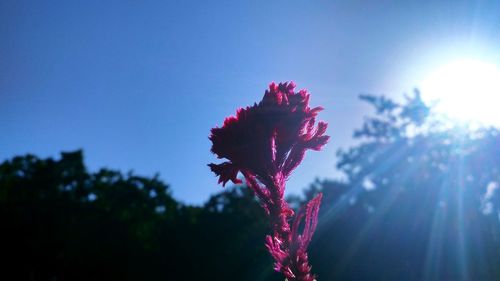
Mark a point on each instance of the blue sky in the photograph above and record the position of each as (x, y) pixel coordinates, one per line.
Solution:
(139, 84)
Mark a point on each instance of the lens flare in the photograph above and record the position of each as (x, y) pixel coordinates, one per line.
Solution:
(465, 90)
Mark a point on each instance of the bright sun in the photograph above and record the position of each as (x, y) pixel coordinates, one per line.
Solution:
(467, 90)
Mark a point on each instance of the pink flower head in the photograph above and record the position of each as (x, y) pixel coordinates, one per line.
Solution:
(269, 137)
(266, 142)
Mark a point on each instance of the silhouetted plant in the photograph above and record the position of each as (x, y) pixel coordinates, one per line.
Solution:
(266, 142)
(419, 201)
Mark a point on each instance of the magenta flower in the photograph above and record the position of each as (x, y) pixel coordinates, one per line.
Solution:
(266, 142)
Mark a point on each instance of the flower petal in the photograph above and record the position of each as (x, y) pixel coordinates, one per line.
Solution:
(226, 171)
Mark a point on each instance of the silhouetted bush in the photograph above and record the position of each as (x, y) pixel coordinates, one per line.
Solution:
(419, 201)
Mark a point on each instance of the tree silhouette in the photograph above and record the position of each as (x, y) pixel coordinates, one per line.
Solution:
(61, 222)
(419, 201)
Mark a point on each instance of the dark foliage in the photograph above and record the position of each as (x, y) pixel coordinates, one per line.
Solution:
(420, 202)
(60, 222)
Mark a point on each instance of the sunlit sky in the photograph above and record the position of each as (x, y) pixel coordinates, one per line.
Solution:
(139, 84)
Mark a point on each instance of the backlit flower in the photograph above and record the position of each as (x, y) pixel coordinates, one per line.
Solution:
(266, 142)
(269, 137)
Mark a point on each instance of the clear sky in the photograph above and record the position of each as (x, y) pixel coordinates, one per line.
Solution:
(138, 84)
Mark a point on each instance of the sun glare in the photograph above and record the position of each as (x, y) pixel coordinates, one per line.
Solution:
(466, 90)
